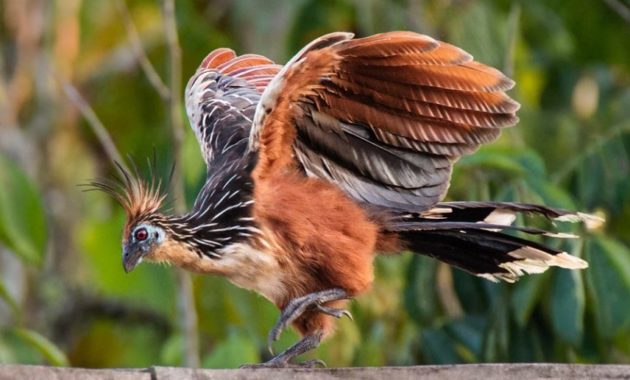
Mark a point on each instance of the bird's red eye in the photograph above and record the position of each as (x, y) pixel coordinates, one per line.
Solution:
(141, 234)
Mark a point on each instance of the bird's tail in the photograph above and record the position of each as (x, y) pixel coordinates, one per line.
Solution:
(471, 236)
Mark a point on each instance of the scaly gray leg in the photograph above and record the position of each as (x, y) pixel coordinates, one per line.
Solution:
(297, 306)
(281, 360)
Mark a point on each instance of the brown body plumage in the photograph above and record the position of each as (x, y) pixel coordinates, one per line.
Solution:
(317, 166)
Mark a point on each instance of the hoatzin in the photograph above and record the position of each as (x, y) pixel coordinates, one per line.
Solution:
(315, 167)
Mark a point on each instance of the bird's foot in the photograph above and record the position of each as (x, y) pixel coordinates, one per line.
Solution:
(316, 363)
(297, 306)
(282, 360)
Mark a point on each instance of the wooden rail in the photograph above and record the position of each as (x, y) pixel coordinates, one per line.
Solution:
(467, 371)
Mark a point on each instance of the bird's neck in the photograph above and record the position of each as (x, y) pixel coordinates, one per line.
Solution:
(222, 214)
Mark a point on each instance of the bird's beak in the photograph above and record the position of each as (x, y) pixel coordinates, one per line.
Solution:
(132, 256)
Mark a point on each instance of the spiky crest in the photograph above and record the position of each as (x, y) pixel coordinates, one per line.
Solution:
(141, 199)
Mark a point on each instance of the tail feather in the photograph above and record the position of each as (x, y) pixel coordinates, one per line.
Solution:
(437, 226)
(469, 235)
(495, 211)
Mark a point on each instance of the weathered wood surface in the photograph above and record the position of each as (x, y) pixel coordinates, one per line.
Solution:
(468, 371)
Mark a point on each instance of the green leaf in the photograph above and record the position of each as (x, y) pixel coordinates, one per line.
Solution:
(467, 331)
(419, 295)
(22, 220)
(438, 347)
(608, 280)
(525, 296)
(253, 312)
(342, 347)
(233, 352)
(567, 305)
(44, 346)
(479, 32)
(6, 296)
(496, 337)
(551, 194)
(471, 292)
(193, 167)
(531, 162)
(172, 351)
(525, 345)
(6, 352)
(371, 349)
(495, 159)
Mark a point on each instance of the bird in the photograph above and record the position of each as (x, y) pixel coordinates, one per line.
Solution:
(317, 167)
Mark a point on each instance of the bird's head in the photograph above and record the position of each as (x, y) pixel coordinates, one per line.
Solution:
(142, 241)
(146, 228)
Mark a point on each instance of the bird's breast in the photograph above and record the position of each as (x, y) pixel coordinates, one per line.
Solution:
(254, 269)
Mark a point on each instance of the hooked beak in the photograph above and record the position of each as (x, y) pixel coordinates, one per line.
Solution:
(132, 256)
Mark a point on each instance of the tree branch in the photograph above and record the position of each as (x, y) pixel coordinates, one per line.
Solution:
(136, 44)
(620, 8)
(186, 302)
(95, 123)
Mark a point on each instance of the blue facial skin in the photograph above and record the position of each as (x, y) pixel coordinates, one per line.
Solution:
(142, 240)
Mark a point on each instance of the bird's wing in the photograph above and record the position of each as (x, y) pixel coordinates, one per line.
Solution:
(383, 117)
(222, 96)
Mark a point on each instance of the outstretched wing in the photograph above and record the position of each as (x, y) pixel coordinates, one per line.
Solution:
(221, 99)
(383, 117)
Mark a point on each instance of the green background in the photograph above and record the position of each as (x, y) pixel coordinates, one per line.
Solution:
(64, 298)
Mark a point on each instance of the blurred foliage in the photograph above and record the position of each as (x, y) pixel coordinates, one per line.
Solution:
(64, 298)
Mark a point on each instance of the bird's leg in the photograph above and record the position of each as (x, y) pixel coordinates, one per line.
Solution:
(297, 306)
(294, 309)
(281, 360)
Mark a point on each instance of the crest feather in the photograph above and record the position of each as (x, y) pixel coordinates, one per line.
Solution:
(138, 196)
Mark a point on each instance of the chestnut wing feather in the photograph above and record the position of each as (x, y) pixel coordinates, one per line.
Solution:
(383, 117)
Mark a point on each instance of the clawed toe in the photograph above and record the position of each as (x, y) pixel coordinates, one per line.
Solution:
(283, 359)
(315, 363)
(337, 313)
(274, 334)
(264, 365)
(312, 364)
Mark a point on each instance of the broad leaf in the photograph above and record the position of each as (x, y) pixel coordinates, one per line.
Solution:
(6, 296)
(231, 353)
(22, 220)
(438, 347)
(525, 296)
(608, 280)
(44, 346)
(567, 305)
(493, 158)
(419, 295)
(467, 331)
